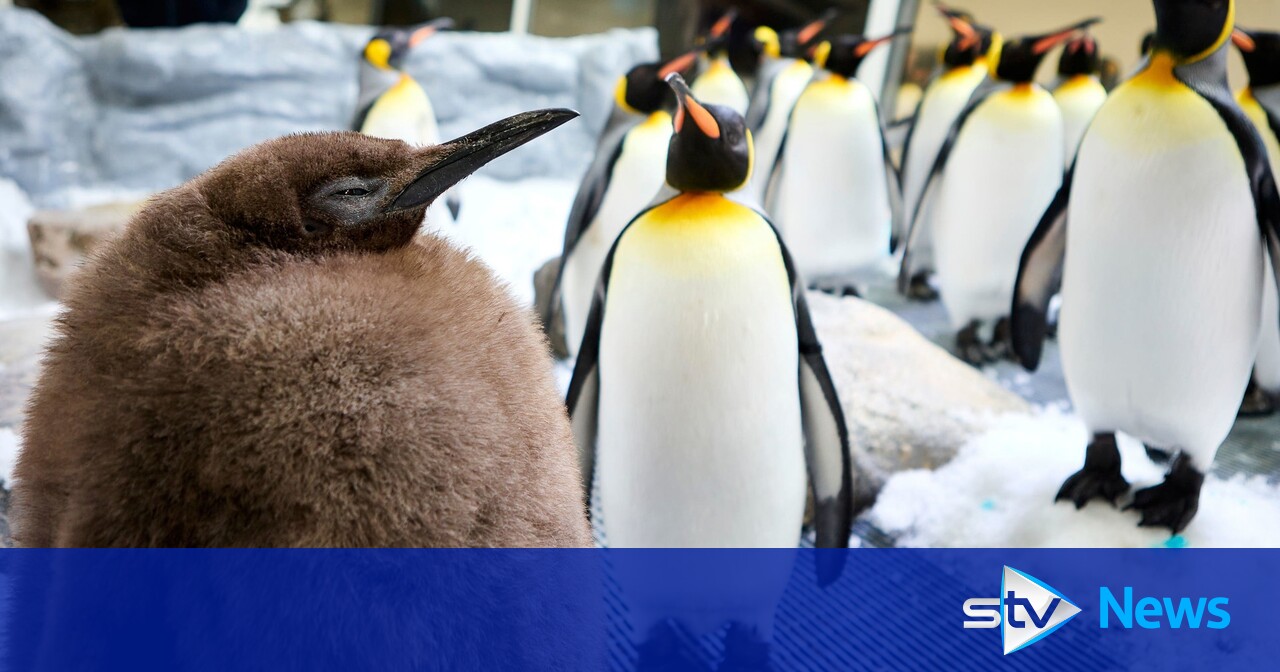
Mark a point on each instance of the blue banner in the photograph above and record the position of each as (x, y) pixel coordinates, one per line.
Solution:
(638, 609)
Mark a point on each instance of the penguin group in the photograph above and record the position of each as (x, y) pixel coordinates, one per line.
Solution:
(701, 409)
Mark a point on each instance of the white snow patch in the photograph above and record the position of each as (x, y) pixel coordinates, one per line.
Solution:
(8, 454)
(19, 292)
(514, 227)
(998, 492)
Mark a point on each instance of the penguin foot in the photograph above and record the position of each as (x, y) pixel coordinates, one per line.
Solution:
(1100, 477)
(744, 651)
(1001, 345)
(664, 652)
(969, 347)
(919, 289)
(837, 289)
(1257, 403)
(1174, 502)
(1158, 455)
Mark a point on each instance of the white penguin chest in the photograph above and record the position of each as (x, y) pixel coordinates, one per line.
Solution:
(700, 437)
(637, 175)
(943, 102)
(786, 89)
(404, 113)
(832, 203)
(1004, 169)
(1162, 281)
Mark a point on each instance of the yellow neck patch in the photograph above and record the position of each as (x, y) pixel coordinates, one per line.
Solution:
(378, 52)
(1227, 29)
(1159, 72)
(620, 96)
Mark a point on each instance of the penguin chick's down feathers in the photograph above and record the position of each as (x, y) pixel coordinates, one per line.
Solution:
(218, 380)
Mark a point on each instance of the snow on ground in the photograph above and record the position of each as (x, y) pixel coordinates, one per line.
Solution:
(8, 454)
(998, 492)
(19, 292)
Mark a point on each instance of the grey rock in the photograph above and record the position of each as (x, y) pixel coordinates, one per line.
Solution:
(909, 403)
(145, 110)
(60, 239)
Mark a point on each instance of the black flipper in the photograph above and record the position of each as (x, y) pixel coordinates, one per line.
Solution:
(584, 388)
(1207, 78)
(1039, 278)
(826, 436)
(901, 226)
(762, 97)
(587, 202)
(893, 177)
(979, 97)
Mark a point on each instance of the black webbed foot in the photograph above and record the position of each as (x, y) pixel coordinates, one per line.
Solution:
(1174, 502)
(1257, 403)
(1001, 345)
(919, 288)
(969, 346)
(1100, 477)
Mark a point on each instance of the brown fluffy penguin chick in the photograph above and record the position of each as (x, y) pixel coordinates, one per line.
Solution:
(269, 356)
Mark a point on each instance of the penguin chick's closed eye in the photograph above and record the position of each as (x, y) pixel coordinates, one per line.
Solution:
(270, 356)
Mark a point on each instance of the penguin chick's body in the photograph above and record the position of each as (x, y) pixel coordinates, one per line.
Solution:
(1079, 92)
(270, 356)
(393, 105)
(701, 385)
(833, 192)
(996, 173)
(1169, 206)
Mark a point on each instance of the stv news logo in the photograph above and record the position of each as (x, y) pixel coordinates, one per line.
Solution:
(1027, 610)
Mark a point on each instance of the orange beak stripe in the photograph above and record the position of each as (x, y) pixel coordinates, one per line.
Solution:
(706, 123)
(968, 36)
(678, 64)
(1047, 43)
(1242, 41)
(866, 47)
(721, 26)
(420, 35)
(811, 31)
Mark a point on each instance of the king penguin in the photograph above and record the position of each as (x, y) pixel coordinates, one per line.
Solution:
(718, 84)
(700, 395)
(784, 74)
(834, 192)
(1172, 207)
(996, 172)
(271, 355)
(393, 105)
(1261, 102)
(628, 172)
(1079, 91)
(966, 62)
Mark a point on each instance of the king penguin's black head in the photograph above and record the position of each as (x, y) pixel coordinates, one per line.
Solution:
(322, 193)
(390, 46)
(844, 54)
(1190, 30)
(711, 147)
(1080, 57)
(1020, 58)
(644, 90)
(1261, 52)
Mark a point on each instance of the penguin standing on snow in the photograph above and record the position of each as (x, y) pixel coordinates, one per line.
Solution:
(701, 394)
(393, 105)
(834, 192)
(270, 355)
(1172, 207)
(996, 172)
(783, 76)
(629, 169)
(1079, 92)
(718, 84)
(1261, 103)
(965, 65)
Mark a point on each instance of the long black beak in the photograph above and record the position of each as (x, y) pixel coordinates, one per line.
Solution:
(464, 156)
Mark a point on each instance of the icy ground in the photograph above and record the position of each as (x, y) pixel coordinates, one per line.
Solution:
(997, 492)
